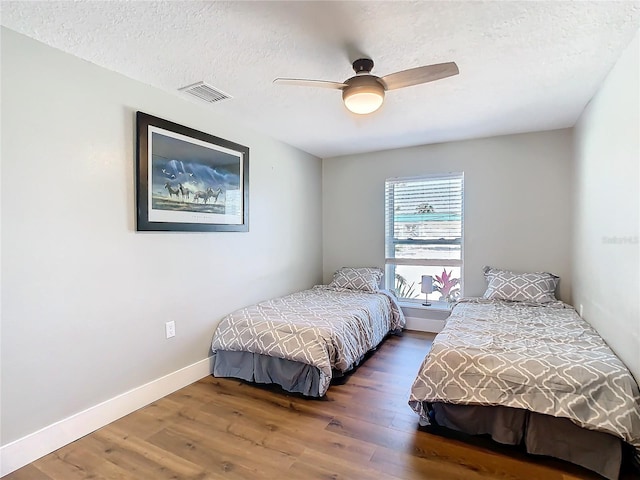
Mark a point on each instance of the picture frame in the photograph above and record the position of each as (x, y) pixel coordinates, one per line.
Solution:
(188, 180)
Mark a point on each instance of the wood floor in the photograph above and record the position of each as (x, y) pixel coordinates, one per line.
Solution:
(224, 428)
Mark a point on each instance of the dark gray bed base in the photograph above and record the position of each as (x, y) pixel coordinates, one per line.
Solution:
(540, 434)
(292, 376)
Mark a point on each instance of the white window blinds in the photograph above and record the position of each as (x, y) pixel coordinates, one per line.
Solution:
(424, 220)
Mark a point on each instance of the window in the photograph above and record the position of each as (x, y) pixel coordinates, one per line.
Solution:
(423, 235)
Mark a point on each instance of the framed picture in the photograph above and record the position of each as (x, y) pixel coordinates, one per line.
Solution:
(188, 180)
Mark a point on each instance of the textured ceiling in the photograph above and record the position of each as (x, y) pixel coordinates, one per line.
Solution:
(524, 66)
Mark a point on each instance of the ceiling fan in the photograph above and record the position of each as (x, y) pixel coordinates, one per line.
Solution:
(364, 93)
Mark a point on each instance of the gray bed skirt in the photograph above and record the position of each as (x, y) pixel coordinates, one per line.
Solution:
(540, 434)
(292, 376)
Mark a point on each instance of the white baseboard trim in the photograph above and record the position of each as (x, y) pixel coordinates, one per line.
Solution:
(424, 324)
(25, 450)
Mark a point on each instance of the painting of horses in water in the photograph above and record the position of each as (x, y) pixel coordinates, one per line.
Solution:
(189, 180)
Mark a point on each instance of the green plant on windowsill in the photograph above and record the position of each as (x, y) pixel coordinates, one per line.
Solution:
(404, 289)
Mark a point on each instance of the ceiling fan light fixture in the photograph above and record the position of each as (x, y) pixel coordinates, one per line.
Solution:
(363, 99)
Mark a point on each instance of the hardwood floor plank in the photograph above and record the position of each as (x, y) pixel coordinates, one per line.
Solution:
(405, 421)
(408, 466)
(371, 433)
(137, 455)
(58, 469)
(149, 420)
(214, 456)
(314, 464)
(277, 404)
(268, 436)
(30, 472)
(206, 437)
(298, 427)
(237, 393)
(96, 470)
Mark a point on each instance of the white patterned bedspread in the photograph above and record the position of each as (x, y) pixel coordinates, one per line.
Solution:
(543, 359)
(329, 328)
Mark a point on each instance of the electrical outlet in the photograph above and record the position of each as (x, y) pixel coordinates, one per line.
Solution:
(170, 329)
(580, 309)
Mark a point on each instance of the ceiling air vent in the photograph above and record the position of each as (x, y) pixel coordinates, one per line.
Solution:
(205, 92)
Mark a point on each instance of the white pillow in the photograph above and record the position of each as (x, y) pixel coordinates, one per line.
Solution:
(536, 287)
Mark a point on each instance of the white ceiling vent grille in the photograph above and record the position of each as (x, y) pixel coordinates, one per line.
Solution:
(205, 92)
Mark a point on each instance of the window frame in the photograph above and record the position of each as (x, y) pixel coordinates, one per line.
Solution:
(391, 262)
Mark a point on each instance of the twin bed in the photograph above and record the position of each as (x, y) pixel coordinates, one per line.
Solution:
(530, 374)
(523, 367)
(517, 364)
(303, 340)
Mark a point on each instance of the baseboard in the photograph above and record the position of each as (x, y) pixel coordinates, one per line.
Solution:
(424, 324)
(25, 450)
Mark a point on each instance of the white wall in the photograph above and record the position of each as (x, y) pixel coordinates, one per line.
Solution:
(517, 203)
(605, 251)
(84, 297)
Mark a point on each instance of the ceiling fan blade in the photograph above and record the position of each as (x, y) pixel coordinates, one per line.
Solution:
(415, 76)
(300, 82)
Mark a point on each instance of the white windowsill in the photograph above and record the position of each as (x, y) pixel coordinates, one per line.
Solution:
(435, 305)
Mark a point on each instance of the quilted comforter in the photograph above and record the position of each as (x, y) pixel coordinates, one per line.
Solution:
(329, 328)
(544, 359)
